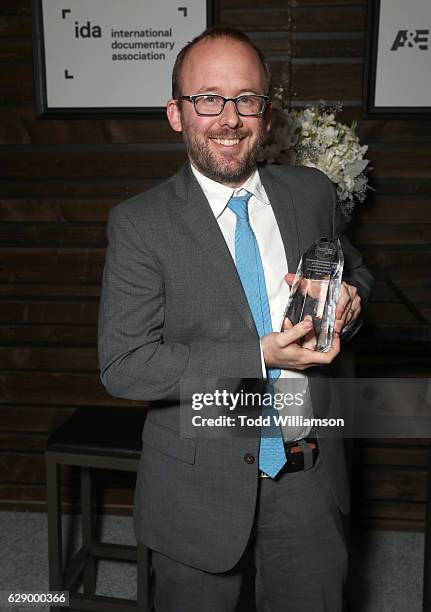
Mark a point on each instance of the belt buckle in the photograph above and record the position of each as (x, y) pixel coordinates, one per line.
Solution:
(263, 475)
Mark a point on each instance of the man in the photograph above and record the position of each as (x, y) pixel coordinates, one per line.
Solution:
(177, 304)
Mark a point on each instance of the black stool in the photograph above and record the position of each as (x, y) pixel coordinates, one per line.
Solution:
(93, 438)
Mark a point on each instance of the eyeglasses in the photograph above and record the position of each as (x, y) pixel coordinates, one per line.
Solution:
(209, 105)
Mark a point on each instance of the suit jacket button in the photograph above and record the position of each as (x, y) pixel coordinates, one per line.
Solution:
(249, 458)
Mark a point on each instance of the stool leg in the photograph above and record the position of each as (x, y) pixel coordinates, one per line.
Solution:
(143, 578)
(88, 530)
(55, 540)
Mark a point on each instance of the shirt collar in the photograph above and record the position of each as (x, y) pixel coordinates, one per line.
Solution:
(218, 195)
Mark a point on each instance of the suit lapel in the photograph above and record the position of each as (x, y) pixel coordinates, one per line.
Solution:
(198, 215)
(284, 211)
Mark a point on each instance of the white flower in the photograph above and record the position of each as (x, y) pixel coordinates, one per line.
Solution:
(312, 137)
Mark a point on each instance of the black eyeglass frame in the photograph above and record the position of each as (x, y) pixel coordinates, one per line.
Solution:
(234, 100)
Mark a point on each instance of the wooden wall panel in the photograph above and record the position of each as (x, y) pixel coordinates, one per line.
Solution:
(406, 210)
(15, 50)
(51, 264)
(54, 210)
(15, 25)
(21, 419)
(394, 131)
(77, 234)
(52, 358)
(325, 46)
(401, 162)
(79, 187)
(266, 19)
(21, 125)
(313, 3)
(42, 312)
(60, 177)
(96, 162)
(344, 18)
(315, 80)
(16, 80)
(413, 234)
(60, 335)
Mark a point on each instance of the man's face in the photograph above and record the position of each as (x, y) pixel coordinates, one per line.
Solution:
(224, 147)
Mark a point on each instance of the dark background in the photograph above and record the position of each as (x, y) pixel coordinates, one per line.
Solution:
(58, 180)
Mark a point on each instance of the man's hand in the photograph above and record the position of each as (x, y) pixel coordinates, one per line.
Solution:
(282, 350)
(348, 307)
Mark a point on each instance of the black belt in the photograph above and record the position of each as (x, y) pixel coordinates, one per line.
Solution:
(300, 455)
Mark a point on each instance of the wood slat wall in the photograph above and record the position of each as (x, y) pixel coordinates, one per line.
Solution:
(59, 178)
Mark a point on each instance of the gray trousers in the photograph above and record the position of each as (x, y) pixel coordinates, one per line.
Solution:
(299, 551)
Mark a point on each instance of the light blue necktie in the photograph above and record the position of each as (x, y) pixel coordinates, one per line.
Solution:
(272, 455)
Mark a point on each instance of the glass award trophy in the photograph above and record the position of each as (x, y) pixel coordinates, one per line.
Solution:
(315, 291)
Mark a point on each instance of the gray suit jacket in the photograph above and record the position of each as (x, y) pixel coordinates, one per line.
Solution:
(173, 309)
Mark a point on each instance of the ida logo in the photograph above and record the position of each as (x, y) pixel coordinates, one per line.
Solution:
(87, 30)
(419, 39)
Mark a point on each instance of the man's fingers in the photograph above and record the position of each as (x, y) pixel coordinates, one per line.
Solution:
(308, 358)
(354, 311)
(289, 278)
(329, 356)
(309, 341)
(287, 324)
(356, 304)
(343, 301)
(335, 349)
(347, 294)
(297, 331)
(283, 350)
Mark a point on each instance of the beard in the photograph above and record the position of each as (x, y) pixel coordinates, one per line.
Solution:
(227, 168)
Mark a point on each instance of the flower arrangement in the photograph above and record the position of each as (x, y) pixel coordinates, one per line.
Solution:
(312, 137)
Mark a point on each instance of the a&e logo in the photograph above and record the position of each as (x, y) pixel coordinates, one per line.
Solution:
(419, 39)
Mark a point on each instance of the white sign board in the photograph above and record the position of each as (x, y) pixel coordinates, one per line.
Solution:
(400, 56)
(113, 55)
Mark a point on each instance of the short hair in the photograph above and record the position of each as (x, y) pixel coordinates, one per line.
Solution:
(213, 33)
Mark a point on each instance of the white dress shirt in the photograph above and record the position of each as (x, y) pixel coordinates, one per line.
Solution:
(265, 228)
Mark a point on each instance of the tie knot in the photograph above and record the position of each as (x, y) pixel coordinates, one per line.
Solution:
(239, 205)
